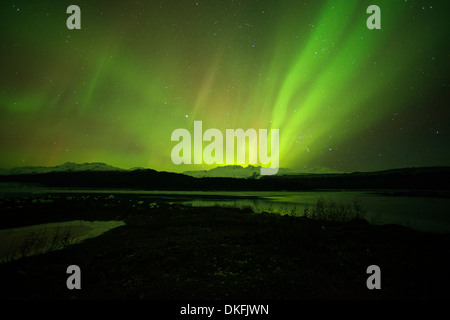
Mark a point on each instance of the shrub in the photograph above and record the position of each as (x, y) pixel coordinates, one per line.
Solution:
(330, 210)
(40, 242)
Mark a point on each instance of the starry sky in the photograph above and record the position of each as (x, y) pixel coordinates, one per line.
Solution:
(341, 95)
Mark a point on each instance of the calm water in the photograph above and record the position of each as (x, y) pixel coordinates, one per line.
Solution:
(420, 213)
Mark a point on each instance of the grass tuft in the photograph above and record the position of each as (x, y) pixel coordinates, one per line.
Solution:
(331, 210)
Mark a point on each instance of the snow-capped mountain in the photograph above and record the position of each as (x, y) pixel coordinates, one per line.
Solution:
(233, 171)
(227, 172)
(252, 172)
(66, 167)
(313, 170)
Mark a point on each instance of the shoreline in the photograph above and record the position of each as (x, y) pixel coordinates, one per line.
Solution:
(175, 252)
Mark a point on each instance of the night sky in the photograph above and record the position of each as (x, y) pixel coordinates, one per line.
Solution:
(342, 96)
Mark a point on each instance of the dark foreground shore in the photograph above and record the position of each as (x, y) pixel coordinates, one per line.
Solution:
(175, 252)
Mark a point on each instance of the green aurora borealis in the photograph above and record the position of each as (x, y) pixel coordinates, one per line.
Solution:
(343, 96)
